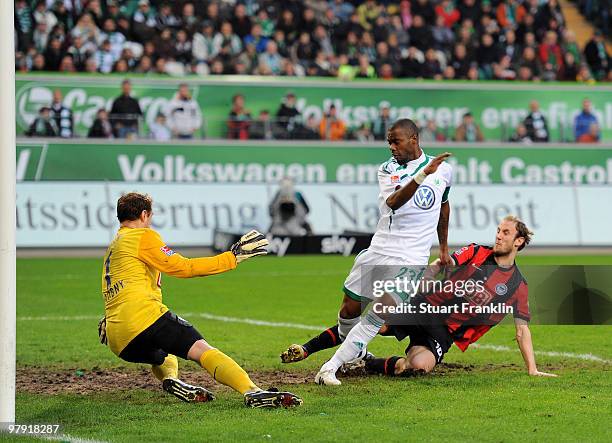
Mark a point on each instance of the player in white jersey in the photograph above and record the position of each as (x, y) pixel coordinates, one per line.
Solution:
(413, 203)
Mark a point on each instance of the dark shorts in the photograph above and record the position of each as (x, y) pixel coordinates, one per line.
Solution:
(170, 334)
(436, 338)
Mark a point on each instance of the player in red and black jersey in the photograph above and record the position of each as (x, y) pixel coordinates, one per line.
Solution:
(502, 285)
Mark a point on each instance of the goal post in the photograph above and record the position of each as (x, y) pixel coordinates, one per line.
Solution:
(7, 213)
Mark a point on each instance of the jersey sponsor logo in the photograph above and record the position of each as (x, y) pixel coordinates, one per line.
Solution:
(395, 179)
(501, 289)
(166, 250)
(424, 197)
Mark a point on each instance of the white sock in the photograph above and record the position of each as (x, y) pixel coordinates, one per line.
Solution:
(345, 325)
(356, 342)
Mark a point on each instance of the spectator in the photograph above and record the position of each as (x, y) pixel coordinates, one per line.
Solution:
(271, 58)
(304, 50)
(535, 124)
(365, 69)
(79, 53)
(183, 48)
(382, 123)
(125, 112)
(443, 37)
(412, 65)
(597, 56)
(570, 68)
(159, 130)
(43, 125)
(62, 116)
(239, 119)
(144, 22)
(584, 121)
(592, 136)
(203, 47)
(227, 37)
(189, 21)
(262, 128)
(40, 37)
(521, 135)
(331, 127)
(550, 53)
(420, 33)
(487, 54)
(105, 59)
(309, 33)
(116, 39)
(24, 24)
(101, 127)
(267, 25)
(308, 131)
(459, 61)
(287, 116)
(166, 19)
(257, 39)
(468, 130)
(431, 133)
(450, 15)
(241, 22)
(183, 114)
(510, 14)
(584, 74)
(363, 134)
(87, 29)
(431, 67)
(53, 54)
(424, 9)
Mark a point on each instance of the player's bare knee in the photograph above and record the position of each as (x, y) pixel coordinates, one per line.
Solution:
(422, 362)
(350, 308)
(197, 349)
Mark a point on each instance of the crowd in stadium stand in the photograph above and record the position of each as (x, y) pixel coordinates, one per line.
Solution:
(182, 117)
(434, 39)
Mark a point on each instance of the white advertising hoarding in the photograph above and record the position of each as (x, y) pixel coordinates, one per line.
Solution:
(65, 214)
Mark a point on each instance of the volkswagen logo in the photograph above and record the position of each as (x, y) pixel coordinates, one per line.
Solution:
(424, 197)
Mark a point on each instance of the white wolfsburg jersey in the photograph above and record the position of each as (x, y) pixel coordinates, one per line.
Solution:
(408, 232)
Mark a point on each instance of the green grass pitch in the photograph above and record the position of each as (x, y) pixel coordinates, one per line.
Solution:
(485, 395)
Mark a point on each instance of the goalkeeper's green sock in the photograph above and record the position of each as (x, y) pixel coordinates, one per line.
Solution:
(168, 369)
(227, 371)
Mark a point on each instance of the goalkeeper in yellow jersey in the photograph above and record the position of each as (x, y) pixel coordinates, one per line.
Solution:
(139, 328)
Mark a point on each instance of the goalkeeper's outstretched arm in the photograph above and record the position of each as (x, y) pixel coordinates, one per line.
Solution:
(154, 252)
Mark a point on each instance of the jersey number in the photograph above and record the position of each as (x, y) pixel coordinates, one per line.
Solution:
(107, 276)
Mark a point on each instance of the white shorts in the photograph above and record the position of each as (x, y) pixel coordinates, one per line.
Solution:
(370, 266)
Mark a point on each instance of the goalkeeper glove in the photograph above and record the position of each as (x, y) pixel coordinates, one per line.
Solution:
(102, 331)
(250, 245)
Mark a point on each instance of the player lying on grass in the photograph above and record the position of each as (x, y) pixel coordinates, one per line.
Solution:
(139, 328)
(413, 204)
(464, 319)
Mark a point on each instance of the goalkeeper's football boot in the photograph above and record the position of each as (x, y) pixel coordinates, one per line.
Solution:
(185, 392)
(272, 398)
(294, 353)
(327, 378)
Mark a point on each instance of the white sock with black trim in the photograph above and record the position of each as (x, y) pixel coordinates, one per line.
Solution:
(356, 341)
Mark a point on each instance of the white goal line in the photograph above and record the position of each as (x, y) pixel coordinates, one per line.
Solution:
(270, 324)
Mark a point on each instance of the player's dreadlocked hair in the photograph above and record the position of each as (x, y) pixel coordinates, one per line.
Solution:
(406, 125)
(521, 230)
(131, 205)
